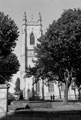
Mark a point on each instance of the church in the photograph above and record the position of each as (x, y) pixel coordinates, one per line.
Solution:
(31, 31)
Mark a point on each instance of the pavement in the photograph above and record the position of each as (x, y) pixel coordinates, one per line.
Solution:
(25, 110)
(45, 106)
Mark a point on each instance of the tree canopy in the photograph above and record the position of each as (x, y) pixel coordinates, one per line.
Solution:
(59, 50)
(9, 65)
(9, 33)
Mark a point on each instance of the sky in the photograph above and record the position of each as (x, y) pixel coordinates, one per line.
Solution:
(50, 10)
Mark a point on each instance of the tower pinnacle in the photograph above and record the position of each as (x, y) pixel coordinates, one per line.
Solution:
(40, 20)
(32, 17)
(25, 19)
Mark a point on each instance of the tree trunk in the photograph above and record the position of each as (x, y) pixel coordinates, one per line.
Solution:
(66, 76)
(42, 89)
(75, 93)
(33, 89)
(65, 100)
(60, 93)
(79, 92)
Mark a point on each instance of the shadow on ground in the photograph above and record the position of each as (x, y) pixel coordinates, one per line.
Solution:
(43, 115)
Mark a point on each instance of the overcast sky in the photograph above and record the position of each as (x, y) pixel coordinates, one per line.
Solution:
(50, 10)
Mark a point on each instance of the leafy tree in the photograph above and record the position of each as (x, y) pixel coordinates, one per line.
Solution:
(9, 33)
(17, 86)
(59, 51)
(9, 65)
(18, 91)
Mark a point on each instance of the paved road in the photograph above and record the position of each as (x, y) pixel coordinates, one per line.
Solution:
(46, 106)
(44, 111)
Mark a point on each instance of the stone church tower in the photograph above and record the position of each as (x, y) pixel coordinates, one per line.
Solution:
(31, 31)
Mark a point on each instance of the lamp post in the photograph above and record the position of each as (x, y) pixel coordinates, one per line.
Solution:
(33, 88)
(25, 85)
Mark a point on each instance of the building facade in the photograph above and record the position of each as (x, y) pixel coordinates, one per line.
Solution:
(31, 31)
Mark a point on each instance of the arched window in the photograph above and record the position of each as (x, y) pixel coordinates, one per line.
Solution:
(51, 87)
(38, 86)
(32, 39)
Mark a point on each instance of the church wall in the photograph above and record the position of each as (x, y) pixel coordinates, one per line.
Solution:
(28, 51)
(22, 61)
(30, 61)
(28, 87)
(48, 94)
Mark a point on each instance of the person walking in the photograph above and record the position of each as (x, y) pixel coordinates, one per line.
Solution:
(53, 97)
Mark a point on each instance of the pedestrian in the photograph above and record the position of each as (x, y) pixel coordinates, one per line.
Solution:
(53, 97)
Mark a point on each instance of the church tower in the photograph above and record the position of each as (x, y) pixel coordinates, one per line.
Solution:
(31, 31)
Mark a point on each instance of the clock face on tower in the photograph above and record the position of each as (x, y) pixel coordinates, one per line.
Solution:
(30, 53)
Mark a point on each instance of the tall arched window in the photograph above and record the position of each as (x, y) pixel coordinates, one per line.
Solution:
(51, 87)
(32, 39)
(38, 86)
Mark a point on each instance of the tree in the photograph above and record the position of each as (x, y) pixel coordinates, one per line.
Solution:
(9, 65)
(59, 51)
(9, 33)
(17, 86)
(18, 91)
